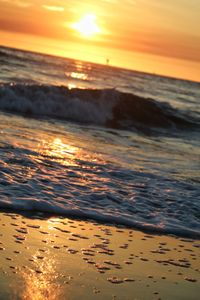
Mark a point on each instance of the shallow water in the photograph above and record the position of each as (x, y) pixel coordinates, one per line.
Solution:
(83, 153)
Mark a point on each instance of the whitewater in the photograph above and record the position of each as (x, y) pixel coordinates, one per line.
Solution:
(93, 141)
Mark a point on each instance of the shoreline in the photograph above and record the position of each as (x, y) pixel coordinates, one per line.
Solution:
(63, 258)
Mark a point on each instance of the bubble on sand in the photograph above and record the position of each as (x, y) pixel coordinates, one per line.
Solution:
(101, 267)
(128, 262)
(190, 279)
(72, 251)
(33, 226)
(115, 280)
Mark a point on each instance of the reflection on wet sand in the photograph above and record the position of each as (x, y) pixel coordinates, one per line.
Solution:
(61, 258)
(40, 283)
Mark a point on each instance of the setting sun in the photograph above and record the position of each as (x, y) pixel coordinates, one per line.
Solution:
(87, 26)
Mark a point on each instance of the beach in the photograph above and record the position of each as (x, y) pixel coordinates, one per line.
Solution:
(46, 257)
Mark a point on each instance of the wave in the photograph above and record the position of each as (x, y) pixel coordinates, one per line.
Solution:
(11, 54)
(97, 190)
(26, 58)
(105, 107)
(32, 207)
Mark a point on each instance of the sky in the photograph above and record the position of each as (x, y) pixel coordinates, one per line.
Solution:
(156, 36)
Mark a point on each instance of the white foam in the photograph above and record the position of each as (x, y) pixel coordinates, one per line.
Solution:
(57, 102)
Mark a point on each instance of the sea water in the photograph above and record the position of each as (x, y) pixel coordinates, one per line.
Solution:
(93, 141)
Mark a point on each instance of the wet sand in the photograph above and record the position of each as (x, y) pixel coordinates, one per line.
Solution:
(61, 258)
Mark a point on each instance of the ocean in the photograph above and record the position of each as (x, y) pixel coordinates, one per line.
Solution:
(93, 141)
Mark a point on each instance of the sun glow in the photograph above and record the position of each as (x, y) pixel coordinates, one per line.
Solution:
(87, 26)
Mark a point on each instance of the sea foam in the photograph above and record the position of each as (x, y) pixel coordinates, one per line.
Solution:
(107, 107)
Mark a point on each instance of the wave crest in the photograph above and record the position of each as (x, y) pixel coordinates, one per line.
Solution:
(106, 107)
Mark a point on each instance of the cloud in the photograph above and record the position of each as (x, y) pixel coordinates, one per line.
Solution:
(53, 8)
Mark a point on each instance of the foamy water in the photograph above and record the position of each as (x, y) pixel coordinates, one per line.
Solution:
(122, 147)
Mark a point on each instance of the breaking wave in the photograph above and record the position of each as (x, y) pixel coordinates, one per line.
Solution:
(105, 107)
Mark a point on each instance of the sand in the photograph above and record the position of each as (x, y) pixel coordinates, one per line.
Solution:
(61, 258)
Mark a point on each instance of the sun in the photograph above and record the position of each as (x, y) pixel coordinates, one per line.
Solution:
(87, 26)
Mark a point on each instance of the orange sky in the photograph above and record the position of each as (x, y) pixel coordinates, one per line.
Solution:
(148, 35)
